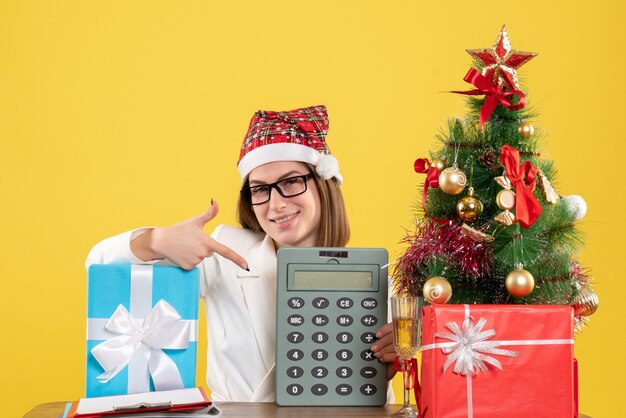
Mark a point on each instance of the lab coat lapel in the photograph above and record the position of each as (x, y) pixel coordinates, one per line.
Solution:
(259, 289)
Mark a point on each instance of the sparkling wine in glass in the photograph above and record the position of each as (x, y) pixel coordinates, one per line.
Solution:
(407, 316)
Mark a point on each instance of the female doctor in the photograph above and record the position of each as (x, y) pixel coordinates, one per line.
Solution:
(290, 198)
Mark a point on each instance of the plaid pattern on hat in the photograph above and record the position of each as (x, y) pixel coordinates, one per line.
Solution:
(295, 135)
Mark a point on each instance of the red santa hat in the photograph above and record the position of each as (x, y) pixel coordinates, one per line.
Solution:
(295, 135)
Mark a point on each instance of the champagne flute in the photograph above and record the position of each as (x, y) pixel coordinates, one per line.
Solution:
(406, 313)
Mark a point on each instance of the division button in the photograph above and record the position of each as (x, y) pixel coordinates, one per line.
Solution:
(319, 389)
(368, 372)
(295, 389)
(368, 390)
(343, 389)
(368, 337)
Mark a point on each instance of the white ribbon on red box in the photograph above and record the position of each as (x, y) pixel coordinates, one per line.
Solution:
(468, 345)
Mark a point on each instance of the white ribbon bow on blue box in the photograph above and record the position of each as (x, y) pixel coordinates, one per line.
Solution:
(141, 328)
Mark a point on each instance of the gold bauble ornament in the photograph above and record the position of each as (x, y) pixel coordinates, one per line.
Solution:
(520, 283)
(526, 130)
(437, 290)
(505, 199)
(452, 180)
(469, 207)
(440, 165)
(585, 302)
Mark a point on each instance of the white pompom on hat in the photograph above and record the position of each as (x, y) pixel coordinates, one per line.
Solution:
(295, 135)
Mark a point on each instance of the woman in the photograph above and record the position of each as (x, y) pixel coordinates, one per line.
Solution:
(290, 197)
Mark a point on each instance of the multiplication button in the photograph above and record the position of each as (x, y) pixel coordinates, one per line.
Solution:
(367, 355)
(343, 389)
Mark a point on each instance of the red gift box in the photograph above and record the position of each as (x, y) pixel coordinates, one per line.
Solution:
(503, 361)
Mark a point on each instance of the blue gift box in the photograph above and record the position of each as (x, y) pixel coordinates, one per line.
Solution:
(125, 294)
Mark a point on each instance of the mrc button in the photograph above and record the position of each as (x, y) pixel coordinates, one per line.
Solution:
(295, 320)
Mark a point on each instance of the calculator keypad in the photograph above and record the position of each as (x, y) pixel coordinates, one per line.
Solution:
(337, 332)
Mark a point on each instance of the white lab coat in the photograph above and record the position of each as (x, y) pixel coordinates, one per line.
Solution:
(240, 311)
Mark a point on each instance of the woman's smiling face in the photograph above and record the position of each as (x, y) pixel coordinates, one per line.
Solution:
(289, 221)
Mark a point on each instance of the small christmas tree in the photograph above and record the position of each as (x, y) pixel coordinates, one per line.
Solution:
(492, 228)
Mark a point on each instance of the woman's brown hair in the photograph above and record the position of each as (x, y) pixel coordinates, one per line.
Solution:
(334, 230)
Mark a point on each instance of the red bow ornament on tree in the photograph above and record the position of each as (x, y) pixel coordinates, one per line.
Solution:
(493, 95)
(422, 165)
(522, 177)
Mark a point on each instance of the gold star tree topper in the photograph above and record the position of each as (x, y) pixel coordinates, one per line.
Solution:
(500, 62)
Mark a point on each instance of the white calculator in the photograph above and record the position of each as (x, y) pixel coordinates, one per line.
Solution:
(330, 303)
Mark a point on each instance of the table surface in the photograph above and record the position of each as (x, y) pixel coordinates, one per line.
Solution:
(258, 410)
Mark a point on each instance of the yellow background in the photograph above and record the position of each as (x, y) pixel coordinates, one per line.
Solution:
(118, 114)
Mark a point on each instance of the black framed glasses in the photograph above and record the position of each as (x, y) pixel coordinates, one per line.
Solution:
(289, 187)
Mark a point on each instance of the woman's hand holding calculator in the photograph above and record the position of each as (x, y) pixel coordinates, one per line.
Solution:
(383, 348)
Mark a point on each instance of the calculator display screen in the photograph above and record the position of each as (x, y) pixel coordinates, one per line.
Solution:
(332, 280)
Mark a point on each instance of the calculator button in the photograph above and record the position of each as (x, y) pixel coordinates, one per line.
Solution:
(295, 337)
(319, 372)
(344, 337)
(320, 320)
(295, 372)
(343, 389)
(344, 320)
(368, 372)
(369, 320)
(319, 354)
(295, 355)
(368, 337)
(295, 320)
(321, 303)
(369, 303)
(319, 337)
(295, 390)
(343, 372)
(367, 355)
(295, 303)
(344, 355)
(345, 303)
(319, 389)
(368, 390)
